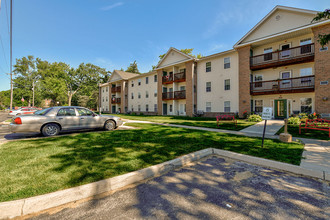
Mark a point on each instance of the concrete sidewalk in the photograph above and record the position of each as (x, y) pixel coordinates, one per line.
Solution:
(272, 127)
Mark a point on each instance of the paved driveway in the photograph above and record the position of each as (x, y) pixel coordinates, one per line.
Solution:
(216, 188)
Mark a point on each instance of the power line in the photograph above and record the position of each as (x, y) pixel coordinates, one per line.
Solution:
(7, 15)
(3, 50)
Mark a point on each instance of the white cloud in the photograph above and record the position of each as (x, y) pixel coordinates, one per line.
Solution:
(109, 7)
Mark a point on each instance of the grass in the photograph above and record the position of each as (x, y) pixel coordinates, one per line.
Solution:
(313, 134)
(33, 167)
(191, 121)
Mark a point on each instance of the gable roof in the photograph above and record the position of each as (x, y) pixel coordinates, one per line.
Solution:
(270, 14)
(122, 75)
(177, 51)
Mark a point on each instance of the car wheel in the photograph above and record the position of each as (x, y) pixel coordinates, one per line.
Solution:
(109, 125)
(50, 130)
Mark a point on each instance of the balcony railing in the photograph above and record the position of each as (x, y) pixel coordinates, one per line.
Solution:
(115, 100)
(300, 54)
(180, 94)
(118, 89)
(113, 89)
(177, 77)
(174, 95)
(167, 96)
(180, 77)
(290, 85)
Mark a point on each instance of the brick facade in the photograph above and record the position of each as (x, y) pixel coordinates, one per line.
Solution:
(160, 91)
(244, 79)
(322, 72)
(190, 88)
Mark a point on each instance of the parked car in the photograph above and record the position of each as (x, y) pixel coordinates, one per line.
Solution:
(51, 121)
(23, 111)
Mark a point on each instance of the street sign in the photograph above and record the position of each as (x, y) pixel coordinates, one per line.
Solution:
(267, 113)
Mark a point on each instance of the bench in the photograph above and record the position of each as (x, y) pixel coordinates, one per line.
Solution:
(315, 124)
(226, 118)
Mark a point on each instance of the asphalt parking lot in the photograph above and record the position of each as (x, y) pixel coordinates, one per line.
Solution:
(214, 188)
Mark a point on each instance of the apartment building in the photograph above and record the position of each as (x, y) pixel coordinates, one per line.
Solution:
(279, 63)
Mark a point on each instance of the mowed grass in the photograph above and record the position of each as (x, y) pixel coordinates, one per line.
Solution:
(191, 121)
(313, 134)
(33, 167)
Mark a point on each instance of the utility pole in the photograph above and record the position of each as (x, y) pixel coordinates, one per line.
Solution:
(33, 93)
(11, 54)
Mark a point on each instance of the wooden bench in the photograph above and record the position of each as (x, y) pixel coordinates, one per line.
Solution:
(315, 124)
(226, 118)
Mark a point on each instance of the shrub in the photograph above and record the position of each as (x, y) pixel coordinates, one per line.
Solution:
(302, 115)
(254, 118)
(294, 121)
(245, 114)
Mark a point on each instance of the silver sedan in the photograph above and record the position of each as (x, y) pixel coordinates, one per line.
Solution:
(52, 121)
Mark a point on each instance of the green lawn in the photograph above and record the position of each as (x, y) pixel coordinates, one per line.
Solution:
(191, 121)
(34, 167)
(314, 134)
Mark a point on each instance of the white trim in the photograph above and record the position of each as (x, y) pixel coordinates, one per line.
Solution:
(216, 54)
(168, 52)
(284, 32)
(171, 64)
(270, 13)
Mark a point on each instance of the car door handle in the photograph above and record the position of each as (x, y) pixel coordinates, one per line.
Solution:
(60, 118)
(82, 119)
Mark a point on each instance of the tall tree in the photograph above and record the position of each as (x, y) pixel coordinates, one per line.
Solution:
(323, 38)
(133, 68)
(26, 78)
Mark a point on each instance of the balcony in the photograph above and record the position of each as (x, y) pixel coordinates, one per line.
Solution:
(174, 95)
(180, 94)
(118, 89)
(115, 100)
(290, 85)
(178, 77)
(301, 54)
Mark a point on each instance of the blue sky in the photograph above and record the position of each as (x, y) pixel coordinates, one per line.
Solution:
(113, 33)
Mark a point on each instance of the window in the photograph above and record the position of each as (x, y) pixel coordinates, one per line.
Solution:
(132, 95)
(171, 108)
(208, 67)
(155, 108)
(305, 41)
(132, 108)
(147, 80)
(258, 104)
(306, 46)
(208, 87)
(84, 112)
(147, 94)
(208, 107)
(306, 105)
(227, 106)
(103, 90)
(227, 84)
(106, 99)
(155, 78)
(226, 62)
(182, 70)
(66, 112)
(155, 94)
(139, 82)
(305, 73)
(103, 99)
(132, 83)
(268, 53)
(139, 108)
(147, 108)
(182, 88)
(257, 79)
(139, 95)
(106, 89)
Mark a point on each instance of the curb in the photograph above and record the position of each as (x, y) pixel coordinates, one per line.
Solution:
(19, 208)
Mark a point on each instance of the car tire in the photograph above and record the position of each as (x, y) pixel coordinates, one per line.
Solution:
(109, 125)
(50, 130)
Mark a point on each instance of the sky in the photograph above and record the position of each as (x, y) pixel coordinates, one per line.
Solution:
(114, 33)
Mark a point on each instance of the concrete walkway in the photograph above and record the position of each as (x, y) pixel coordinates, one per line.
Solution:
(271, 129)
(316, 155)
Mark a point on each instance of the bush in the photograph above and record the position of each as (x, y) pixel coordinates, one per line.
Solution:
(255, 118)
(245, 114)
(294, 121)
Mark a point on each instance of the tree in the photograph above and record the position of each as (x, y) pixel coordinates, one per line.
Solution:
(133, 68)
(26, 78)
(323, 38)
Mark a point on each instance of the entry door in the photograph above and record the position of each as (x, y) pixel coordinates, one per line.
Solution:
(113, 109)
(280, 108)
(164, 109)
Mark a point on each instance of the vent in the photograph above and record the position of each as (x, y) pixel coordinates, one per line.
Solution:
(278, 17)
(323, 49)
(324, 83)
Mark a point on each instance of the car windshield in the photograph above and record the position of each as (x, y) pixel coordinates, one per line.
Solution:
(42, 112)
